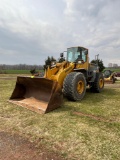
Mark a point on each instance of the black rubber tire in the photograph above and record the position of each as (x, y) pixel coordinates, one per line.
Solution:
(113, 80)
(70, 86)
(95, 87)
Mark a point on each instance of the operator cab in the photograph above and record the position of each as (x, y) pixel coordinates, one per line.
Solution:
(77, 54)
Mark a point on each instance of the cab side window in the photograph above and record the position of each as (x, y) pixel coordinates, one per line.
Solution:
(84, 58)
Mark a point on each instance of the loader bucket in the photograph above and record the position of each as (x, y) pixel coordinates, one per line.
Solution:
(37, 94)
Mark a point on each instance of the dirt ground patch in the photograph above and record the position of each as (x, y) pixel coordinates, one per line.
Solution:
(14, 147)
(115, 85)
(98, 118)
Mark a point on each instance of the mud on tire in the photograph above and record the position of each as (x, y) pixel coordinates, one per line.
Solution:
(74, 86)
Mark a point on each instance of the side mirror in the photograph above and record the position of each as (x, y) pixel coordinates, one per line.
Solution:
(61, 55)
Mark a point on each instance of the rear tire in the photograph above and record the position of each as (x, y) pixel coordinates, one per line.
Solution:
(113, 80)
(98, 85)
(74, 86)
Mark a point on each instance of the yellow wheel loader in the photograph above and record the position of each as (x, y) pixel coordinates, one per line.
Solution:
(68, 77)
(109, 76)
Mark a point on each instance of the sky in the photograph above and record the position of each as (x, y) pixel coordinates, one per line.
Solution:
(32, 30)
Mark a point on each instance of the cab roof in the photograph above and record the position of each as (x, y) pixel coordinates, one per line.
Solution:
(79, 47)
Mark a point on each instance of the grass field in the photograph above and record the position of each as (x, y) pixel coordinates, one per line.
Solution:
(94, 134)
(114, 69)
(15, 71)
(28, 71)
(18, 71)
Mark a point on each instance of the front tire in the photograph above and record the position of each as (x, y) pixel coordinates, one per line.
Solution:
(74, 86)
(113, 80)
(98, 85)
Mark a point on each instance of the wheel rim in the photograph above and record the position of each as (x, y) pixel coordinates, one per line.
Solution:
(80, 87)
(101, 83)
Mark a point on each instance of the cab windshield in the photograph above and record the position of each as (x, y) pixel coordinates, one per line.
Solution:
(75, 53)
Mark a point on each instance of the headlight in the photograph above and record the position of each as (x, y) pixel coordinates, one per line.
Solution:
(79, 62)
(53, 63)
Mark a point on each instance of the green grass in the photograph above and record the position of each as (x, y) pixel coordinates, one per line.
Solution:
(114, 69)
(72, 136)
(17, 71)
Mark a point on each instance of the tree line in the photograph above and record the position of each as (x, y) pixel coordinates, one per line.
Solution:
(41, 67)
(99, 62)
(20, 67)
